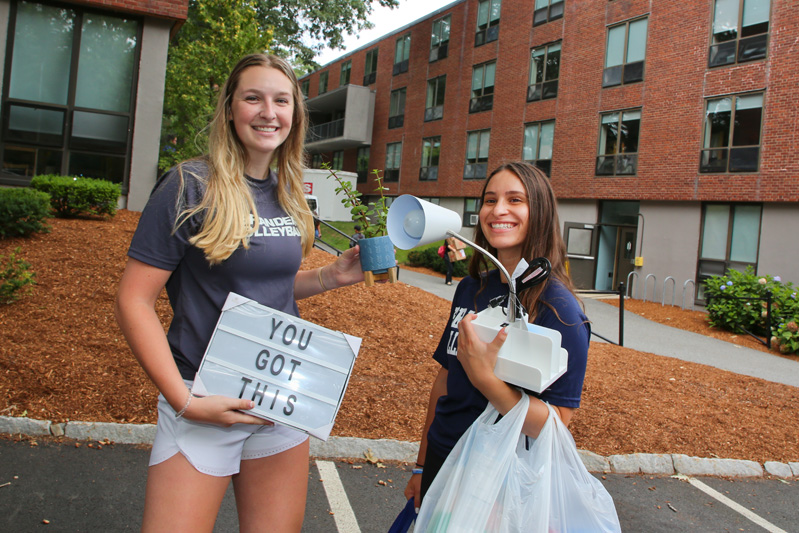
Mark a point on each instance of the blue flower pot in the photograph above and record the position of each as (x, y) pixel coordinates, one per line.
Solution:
(377, 254)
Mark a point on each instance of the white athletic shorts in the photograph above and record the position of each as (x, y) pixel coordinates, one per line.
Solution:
(217, 450)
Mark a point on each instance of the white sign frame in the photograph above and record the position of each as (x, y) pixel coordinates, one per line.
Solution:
(295, 371)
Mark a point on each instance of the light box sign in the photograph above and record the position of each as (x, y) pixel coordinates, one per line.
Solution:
(295, 371)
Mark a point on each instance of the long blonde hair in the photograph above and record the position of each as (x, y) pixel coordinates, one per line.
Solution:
(228, 209)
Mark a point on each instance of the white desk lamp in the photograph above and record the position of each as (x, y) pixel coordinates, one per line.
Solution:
(531, 356)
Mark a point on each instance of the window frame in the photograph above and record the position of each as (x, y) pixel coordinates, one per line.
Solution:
(732, 165)
(627, 71)
(324, 78)
(402, 54)
(396, 108)
(739, 44)
(542, 163)
(477, 167)
(482, 100)
(305, 87)
(435, 110)
(370, 67)
(546, 88)
(487, 31)
(439, 46)
(621, 162)
(431, 154)
(547, 13)
(471, 207)
(345, 73)
(391, 173)
(362, 160)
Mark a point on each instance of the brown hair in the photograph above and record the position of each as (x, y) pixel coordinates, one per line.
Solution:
(543, 238)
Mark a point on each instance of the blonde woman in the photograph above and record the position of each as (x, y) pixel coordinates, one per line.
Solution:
(233, 221)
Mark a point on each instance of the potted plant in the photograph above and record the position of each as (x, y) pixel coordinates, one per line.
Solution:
(376, 249)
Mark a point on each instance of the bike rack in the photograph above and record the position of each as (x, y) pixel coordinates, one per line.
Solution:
(684, 287)
(631, 274)
(673, 290)
(654, 286)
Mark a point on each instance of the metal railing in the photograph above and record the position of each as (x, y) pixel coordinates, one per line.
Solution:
(620, 292)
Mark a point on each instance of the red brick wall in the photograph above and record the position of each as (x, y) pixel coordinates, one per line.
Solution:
(172, 9)
(672, 100)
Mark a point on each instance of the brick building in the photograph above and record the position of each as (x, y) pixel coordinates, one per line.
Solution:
(669, 129)
(83, 89)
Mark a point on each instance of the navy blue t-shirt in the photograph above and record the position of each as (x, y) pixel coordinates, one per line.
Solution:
(197, 290)
(463, 403)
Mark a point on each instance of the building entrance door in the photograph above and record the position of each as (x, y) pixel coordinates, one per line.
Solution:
(581, 244)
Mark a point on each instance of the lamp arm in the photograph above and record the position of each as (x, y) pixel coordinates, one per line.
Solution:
(512, 289)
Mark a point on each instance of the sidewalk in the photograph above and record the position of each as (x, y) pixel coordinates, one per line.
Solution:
(639, 334)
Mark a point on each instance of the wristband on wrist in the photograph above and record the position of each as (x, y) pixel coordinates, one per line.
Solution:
(321, 283)
(417, 471)
(186, 406)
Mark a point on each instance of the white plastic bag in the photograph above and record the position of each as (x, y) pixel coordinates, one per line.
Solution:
(498, 480)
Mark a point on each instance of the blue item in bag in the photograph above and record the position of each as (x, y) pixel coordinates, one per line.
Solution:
(404, 520)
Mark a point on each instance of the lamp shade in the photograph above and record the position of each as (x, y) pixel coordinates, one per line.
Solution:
(412, 222)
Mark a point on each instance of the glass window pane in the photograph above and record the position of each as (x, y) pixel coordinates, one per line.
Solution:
(106, 64)
(495, 9)
(530, 149)
(636, 43)
(44, 126)
(745, 231)
(471, 147)
(746, 131)
(105, 167)
(749, 102)
(484, 141)
(445, 24)
(755, 12)
(489, 77)
(725, 20)
(541, 3)
(482, 14)
(537, 66)
(42, 55)
(547, 140)
(440, 89)
(553, 62)
(717, 125)
(477, 79)
(434, 37)
(99, 128)
(614, 55)
(714, 232)
(579, 241)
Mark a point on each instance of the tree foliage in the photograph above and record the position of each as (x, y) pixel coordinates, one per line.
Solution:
(218, 33)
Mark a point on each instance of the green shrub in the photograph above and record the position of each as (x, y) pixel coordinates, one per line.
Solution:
(727, 311)
(14, 277)
(23, 211)
(429, 258)
(73, 196)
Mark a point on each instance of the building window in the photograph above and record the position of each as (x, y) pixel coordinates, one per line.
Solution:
(431, 148)
(477, 154)
(396, 110)
(401, 54)
(305, 86)
(482, 87)
(544, 72)
(546, 11)
(625, 53)
(362, 164)
(393, 159)
(346, 70)
(338, 160)
(487, 21)
(434, 103)
(538, 138)
(439, 40)
(69, 100)
(730, 240)
(370, 69)
(740, 31)
(323, 82)
(618, 143)
(731, 141)
(317, 160)
(471, 211)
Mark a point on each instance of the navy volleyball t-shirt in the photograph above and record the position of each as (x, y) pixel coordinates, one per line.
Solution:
(463, 403)
(197, 290)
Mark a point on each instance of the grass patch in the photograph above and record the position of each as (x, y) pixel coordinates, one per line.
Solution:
(342, 243)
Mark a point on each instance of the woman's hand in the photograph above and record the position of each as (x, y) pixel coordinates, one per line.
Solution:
(414, 490)
(477, 357)
(222, 411)
(346, 270)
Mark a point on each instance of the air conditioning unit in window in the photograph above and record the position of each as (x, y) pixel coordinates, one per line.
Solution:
(474, 220)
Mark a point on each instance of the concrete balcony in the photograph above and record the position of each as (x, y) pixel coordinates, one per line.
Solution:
(340, 119)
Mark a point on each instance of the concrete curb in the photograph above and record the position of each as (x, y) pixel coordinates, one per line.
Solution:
(393, 450)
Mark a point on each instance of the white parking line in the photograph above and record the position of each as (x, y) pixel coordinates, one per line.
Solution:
(337, 498)
(757, 519)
